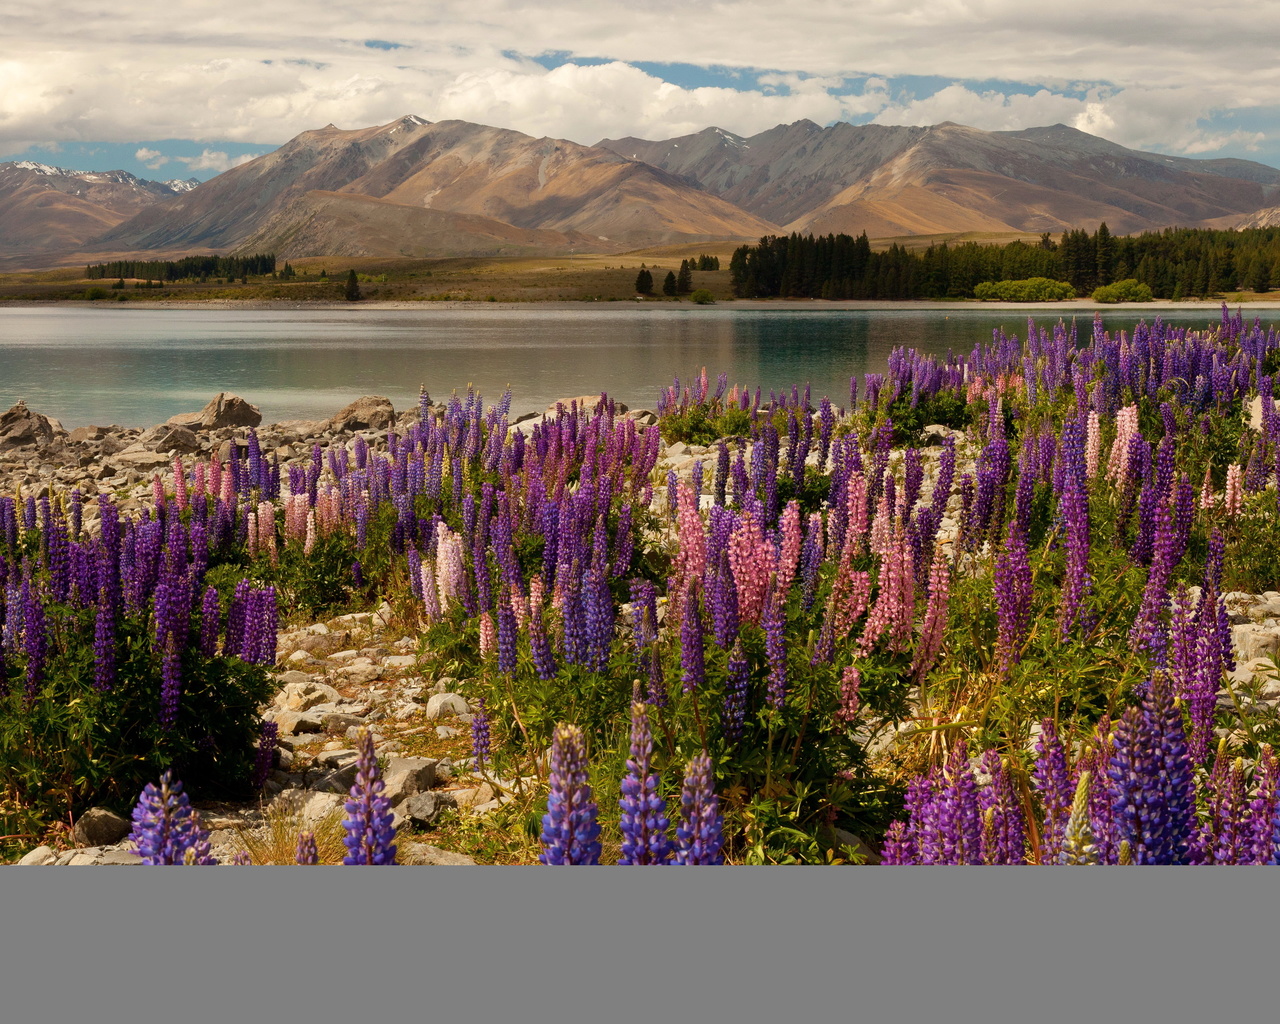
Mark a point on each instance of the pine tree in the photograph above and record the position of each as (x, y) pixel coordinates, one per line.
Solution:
(669, 283)
(352, 290)
(684, 283)
(644, 282)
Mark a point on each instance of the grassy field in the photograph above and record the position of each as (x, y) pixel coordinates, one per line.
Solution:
(498, 279)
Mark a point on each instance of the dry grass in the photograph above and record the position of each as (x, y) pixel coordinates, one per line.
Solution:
(277, 842)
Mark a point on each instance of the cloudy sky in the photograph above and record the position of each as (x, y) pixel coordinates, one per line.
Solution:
(189, 87)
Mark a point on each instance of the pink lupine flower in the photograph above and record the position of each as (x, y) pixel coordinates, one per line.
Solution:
(850, 682)
(449, 568)
(488, 635)
(157, 489)
(752, 559)
(856, 504)
(1126, 428)
(179, 483)
(430, 596)
(894, 608)
(850, 595)
(1206, 491)
(691, 558)
(1092, 445)
(228, 488)
(267, 530)
(882, 527)
(199, 480)
(935, 616)
(310, 541)
(1235, 489)
(789, 557)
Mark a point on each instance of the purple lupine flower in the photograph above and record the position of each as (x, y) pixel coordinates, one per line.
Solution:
(1226, 837)
(166, 829)
(507, 629)
(692, 660)
(1004, 838)
(1012, 583)
(370, 835)
(959, 818)
(35, 637)
(306, 852)
(644, 823)
(1263, 808)
(738, 678)
(544, 662)
(210, 622)
(1152, 787)
(570, 831)
(700, 835)
(266, 753)
(1053, 781)
(480, 732)
(104, 643)
(774, 624)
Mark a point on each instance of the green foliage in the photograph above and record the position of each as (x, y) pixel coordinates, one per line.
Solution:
(1128, 290)
(702, 424)
(72, 746)
(351, 291)
(644, 282)
(669, 283)
(1033, 289)
(702, 296)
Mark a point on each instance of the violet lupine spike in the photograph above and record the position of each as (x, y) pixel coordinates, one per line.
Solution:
(737, 681)
(774, 624)
(1152, 787)
(369, 833)
(1012, 582)
(264, 759)
(305, 852)
(1263, 808)
(570, 831)
(644, 824)
(480, 739)
(692, 657)
(1053, 781)
(166, 829)
(1004, 839)
(700, 835)
(959, 817)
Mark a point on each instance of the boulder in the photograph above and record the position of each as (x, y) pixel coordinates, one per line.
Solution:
(91, 433)
(21, 428)
(100, 827)
(305, 694)
(223, 410)
(41, 855)
(372, 412)
(171, 438)
(407, 777)
(424, 853)
(441, 704)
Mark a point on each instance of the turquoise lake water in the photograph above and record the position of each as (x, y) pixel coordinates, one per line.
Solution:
(138, 366)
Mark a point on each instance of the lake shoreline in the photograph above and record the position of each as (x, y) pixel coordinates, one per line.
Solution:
(1075, 306)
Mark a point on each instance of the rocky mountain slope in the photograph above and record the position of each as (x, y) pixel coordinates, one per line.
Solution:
(44, 207)
(894, 180)
(413, 187)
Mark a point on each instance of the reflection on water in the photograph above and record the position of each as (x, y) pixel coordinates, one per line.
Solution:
(138, 366)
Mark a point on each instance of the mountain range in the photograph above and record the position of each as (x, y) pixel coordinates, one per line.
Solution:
(418, 188)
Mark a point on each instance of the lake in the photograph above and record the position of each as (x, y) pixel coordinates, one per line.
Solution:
(136, 365)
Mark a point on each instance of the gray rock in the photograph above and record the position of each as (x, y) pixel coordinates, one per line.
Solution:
(40, 855)
(336, 722)
(424, 809)
(302, 696)
(446, 732)
(309, 807)
(100, 827)
(424, 853)
(405, 777)
(302, 739)
(20, 428)
(859, 847)
(372, 412)
(441, 704)
(175, 438)
(338, 780)
(223, 410)
(296, 723)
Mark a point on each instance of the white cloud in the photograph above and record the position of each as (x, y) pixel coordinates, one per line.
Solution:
(240, 72)
(151, 158)
(214, 160)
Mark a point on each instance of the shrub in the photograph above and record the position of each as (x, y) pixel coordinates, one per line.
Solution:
(1032, 289)
(1128, 290)
(703, 297)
